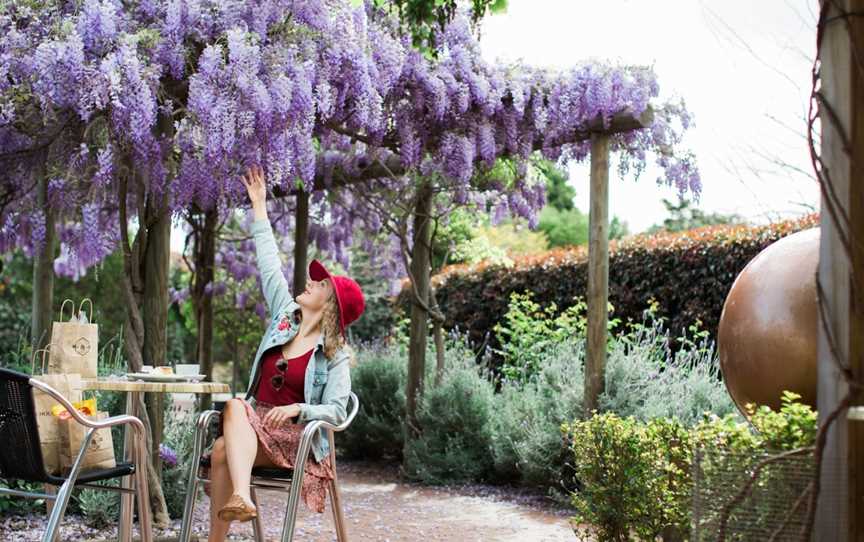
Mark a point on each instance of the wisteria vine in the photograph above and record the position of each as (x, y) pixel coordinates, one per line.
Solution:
(187, 93)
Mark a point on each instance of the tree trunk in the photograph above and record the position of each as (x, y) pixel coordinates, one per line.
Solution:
(438, 335)
(43, 274)
(155, 313)
(205, 261)
(598, 272)
(301, 242)
(420, 272)
(133, 339)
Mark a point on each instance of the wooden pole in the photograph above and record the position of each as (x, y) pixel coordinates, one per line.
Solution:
(205, 262)
(43, 272)
(301, 242)
(598, 272)
(840, 509)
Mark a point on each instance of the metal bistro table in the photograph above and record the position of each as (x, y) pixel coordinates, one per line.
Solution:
(134, 390)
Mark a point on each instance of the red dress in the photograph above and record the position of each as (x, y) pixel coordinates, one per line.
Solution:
(283, 387)
(280, 443)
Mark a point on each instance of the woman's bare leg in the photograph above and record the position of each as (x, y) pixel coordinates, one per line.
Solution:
(241, 446)
(220, 491)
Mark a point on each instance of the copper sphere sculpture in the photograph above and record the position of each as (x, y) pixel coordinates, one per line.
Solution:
(767, 335)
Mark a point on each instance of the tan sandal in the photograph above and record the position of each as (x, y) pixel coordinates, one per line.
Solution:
(237, 509)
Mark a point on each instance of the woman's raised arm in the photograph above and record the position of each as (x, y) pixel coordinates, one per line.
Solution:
(273, 282)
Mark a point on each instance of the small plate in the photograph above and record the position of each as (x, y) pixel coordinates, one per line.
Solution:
(150, 377)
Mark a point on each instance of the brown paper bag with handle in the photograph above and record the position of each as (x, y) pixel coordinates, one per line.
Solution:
(75, 343)
(69, 386)
(100, 451)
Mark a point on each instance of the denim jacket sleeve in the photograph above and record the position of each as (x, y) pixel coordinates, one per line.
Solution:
(273, 282)
(334, 400)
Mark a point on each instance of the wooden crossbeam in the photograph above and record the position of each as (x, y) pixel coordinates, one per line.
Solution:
(392, 166)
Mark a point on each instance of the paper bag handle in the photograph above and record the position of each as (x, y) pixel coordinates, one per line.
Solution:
(64, 305)
(33, 360)
(87, 300)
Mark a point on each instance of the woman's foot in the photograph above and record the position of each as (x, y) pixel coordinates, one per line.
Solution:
(237, 509)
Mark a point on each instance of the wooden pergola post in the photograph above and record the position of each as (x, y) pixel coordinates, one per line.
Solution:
(840, 508)
(598, 272)
(301, 241)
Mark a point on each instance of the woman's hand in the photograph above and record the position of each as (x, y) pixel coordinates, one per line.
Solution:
(282, 414)
(253, 179)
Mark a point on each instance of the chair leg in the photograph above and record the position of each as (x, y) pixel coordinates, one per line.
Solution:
(201, 426)
(294, 495)
(257, 524)
(338, 517)
(52, 531)
(189, 506)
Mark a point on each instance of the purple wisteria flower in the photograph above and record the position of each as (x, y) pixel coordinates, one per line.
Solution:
(168, 456)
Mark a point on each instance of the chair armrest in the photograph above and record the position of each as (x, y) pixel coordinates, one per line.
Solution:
(316, 424)
(202, 425)
(313, 426)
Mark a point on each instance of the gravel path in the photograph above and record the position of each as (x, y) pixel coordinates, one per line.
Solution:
(378, 507)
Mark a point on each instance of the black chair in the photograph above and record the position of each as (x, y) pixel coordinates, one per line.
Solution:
(21, 454)
(284, 480)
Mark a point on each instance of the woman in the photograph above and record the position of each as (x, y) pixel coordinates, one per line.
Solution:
(300, 374)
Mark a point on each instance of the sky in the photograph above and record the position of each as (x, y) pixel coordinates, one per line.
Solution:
(741, 66)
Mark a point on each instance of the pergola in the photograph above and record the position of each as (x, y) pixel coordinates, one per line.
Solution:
(598, 249)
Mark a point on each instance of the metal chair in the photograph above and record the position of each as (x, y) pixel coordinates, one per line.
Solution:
(21, 454)
(271, 478)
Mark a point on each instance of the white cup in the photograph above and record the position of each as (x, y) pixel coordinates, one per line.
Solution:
(146, 368)
(187, 369)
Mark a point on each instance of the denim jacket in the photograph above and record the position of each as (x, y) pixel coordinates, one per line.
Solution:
(327, 382)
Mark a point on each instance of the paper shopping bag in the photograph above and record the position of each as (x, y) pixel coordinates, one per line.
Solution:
(74, 343)
(69, 386)
(100, 451)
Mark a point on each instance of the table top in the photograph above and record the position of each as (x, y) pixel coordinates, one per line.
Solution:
(154, 387)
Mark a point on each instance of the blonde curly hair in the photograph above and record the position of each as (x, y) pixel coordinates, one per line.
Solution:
(333, 339)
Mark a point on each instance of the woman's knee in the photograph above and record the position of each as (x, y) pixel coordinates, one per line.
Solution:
(234, 407)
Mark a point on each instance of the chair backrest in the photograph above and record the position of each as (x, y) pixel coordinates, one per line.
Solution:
(20, 451)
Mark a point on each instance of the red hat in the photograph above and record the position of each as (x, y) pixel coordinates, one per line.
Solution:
(349, 297)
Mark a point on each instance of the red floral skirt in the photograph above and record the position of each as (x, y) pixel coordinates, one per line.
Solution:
(280, 444)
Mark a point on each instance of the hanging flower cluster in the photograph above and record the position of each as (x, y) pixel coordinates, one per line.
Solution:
(180, 96)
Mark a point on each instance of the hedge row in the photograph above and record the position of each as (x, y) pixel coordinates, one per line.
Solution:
(688, 274)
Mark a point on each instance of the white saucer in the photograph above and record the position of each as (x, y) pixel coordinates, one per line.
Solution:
(151, 377)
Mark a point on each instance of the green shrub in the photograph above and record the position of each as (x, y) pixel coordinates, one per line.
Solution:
(530, 331)
(378, 380)
(647, 380)
(99, 508)
(455, 436)
(527, 444)
(728, 454)
(635, 478)
(10, 504)
(688, 273)
(632, 476)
